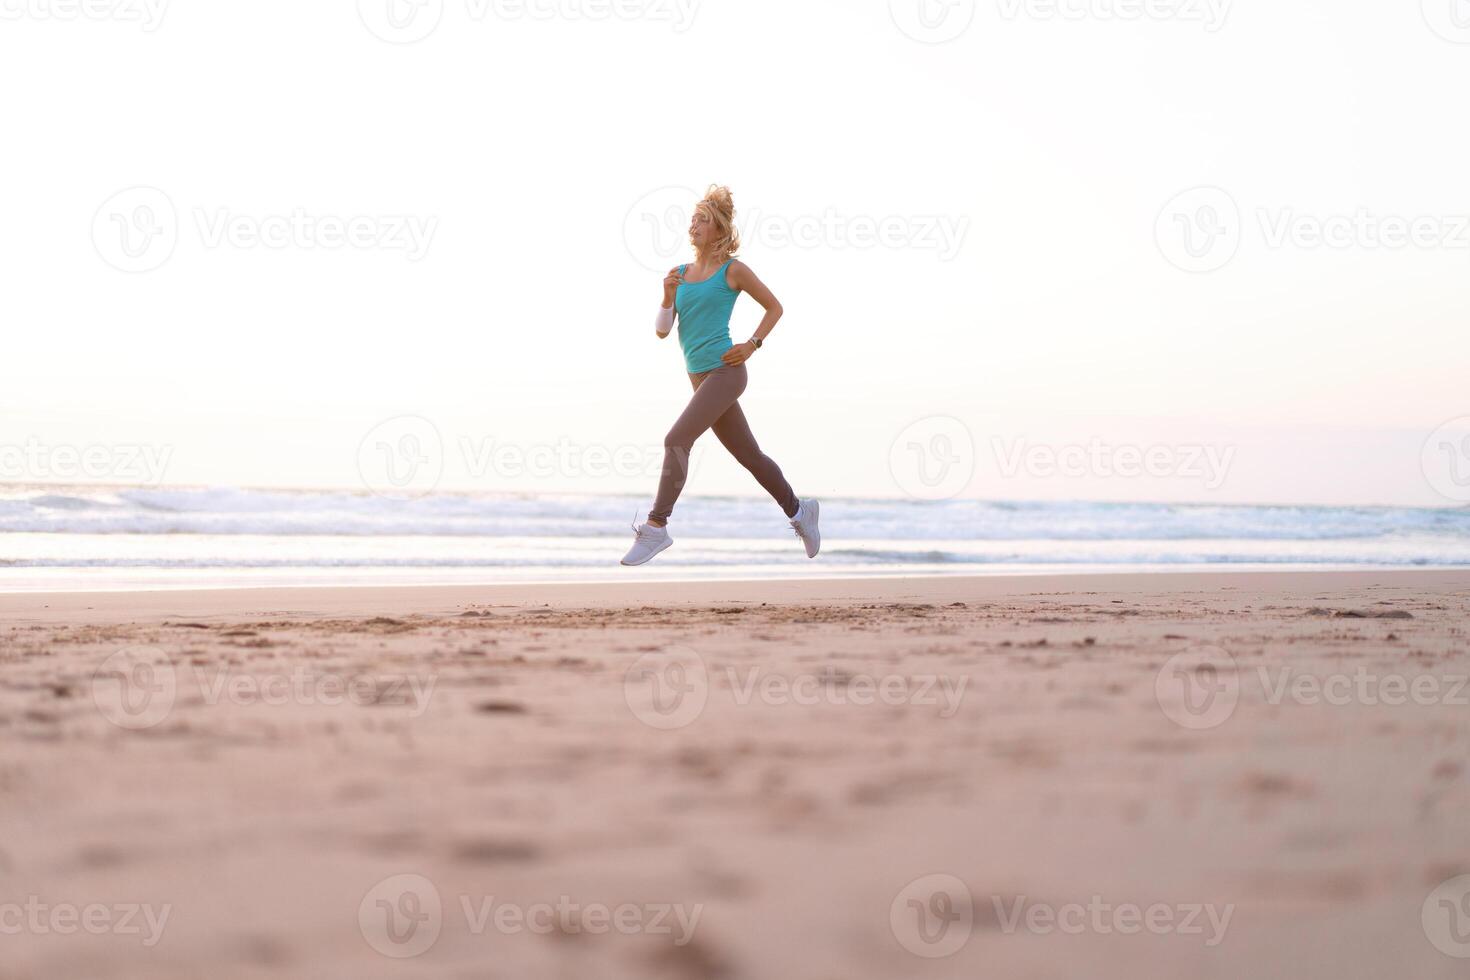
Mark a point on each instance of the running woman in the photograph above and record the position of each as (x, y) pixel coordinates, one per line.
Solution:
(703, 294)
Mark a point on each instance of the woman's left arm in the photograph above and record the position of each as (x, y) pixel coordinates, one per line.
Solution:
(741, 277)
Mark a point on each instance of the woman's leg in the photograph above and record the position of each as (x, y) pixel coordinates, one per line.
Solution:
(714, 392)
(734, 432)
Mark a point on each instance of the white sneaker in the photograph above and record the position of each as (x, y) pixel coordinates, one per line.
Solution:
(805, 525)
(647, 542)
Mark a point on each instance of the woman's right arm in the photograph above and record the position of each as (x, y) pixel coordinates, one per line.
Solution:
(664, 323)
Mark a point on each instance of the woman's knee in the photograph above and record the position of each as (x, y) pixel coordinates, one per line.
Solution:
(679, 444)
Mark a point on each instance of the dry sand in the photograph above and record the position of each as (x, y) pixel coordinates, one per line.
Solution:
(743, 780)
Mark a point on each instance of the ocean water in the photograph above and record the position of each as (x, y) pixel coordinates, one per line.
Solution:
(118, 538)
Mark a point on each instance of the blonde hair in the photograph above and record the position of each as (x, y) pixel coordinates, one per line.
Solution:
(718, 205)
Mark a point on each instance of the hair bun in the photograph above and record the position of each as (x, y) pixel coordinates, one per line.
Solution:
(721, 198)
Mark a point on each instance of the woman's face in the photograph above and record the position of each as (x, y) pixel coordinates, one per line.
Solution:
(701, 230)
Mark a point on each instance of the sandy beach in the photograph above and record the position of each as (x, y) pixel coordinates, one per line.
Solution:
(1110, 776)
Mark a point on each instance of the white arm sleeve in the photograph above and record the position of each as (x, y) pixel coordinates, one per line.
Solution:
(665, 320)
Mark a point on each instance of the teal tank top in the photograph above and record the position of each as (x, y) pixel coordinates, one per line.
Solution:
(704, 319)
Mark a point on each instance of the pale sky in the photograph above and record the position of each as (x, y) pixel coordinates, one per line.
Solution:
(995, 229)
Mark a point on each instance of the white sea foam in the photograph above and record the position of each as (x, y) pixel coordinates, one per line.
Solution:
(44, 531)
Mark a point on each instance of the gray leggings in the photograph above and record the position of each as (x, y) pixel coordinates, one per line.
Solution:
(715, 405)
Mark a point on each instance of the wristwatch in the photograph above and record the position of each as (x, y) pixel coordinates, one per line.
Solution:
(757, 341)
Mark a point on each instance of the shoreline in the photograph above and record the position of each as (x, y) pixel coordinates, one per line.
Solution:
(431, 599)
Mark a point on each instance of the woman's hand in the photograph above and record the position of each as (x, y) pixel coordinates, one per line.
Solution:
(738, 354)
(672, 281)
